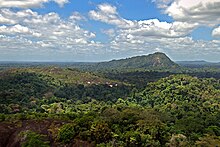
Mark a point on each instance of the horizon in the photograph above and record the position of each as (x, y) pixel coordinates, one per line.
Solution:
(45, 61)
(98, 31)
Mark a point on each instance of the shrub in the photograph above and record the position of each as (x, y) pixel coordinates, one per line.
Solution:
(101, 132)
(2, 117)
(33, 139)
(66, 133)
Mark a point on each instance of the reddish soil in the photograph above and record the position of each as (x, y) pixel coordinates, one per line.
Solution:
(9, 133)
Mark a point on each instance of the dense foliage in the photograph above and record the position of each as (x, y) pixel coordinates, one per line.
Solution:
(54, 107)
(33, 139)
(26, 90)
(152, 61)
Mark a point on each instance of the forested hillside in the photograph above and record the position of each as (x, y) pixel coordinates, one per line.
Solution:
(154, 61)
(27, 89)
(60, 106)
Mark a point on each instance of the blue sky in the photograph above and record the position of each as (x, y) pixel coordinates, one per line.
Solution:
(97, 30)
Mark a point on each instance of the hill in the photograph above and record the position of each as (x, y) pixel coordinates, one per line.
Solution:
(152, 61)
(58, 75)
(198, 64)
(25, 89)
(182, 89)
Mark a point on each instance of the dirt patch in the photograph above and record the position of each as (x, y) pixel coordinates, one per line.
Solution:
(9, 133)
(6, 131)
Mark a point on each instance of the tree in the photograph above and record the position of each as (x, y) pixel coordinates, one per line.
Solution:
(178, 140)
(208, 141)
(101, 132)
(66, 133)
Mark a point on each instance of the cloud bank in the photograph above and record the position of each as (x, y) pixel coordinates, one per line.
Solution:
(28, 3)
(35, 33)
(204, 12)
(142, 36)
(28, 34)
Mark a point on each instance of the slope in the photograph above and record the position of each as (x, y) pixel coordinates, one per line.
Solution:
(152, 61)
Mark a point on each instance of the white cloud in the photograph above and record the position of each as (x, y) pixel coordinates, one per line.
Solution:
(45, 34)
(216, 32)
(61, 2)
(108, 9)
(153, 27)
(26, 34)
(110, 32)
(76, 16)
(4, 20)
(156, 28)
(132, 37)
(108, 14)
(162, 3)
(28, 3)
(17, 29)
(204, 12)
(177, 48)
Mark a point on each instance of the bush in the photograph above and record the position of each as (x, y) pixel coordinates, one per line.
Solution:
(85, 135)
(33, 139)
(2, 117)
(66, 133)
(101, 132)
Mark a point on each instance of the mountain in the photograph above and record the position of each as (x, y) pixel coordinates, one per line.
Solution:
(157, 60)
(199, 63)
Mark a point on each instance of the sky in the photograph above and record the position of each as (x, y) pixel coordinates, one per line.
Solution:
(102, 30)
